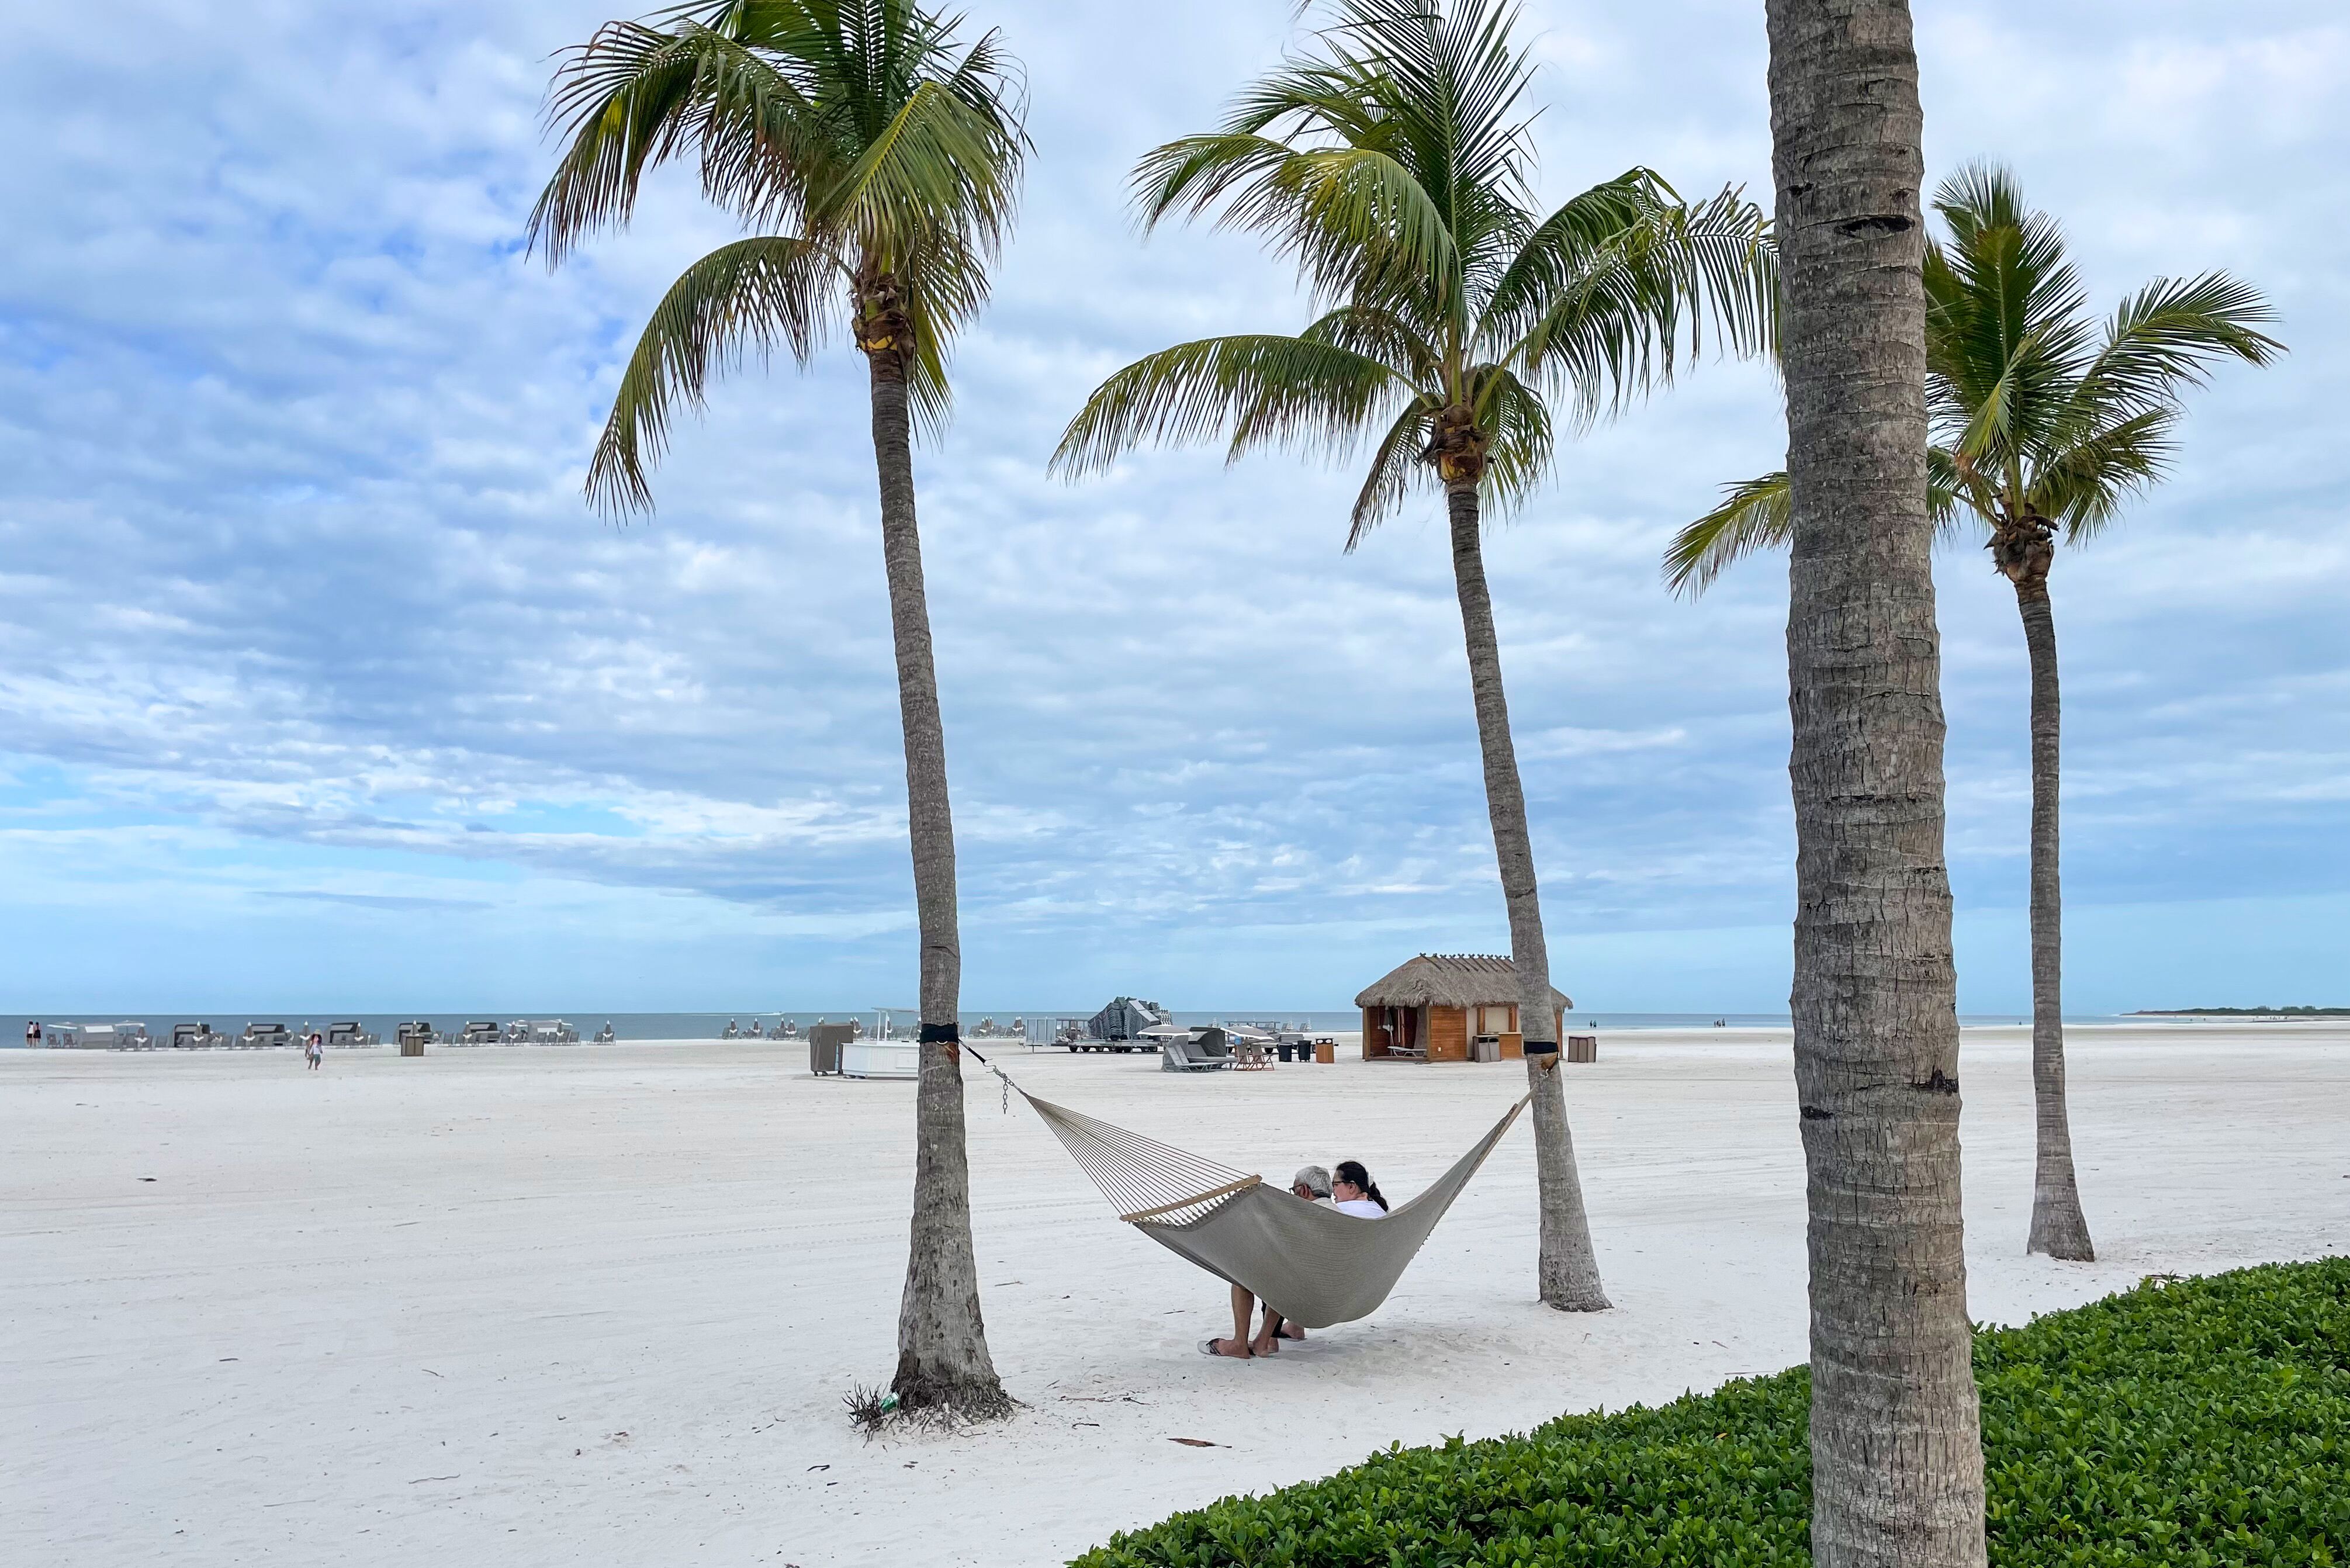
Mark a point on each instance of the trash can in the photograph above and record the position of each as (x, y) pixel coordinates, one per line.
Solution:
(1325, 1051)
(1582, 1047)
(1485, 1048)
(412, 1046)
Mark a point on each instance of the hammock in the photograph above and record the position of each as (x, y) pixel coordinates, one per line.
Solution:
(1305, 1261)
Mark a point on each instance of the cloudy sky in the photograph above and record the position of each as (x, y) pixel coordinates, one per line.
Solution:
(320, 687)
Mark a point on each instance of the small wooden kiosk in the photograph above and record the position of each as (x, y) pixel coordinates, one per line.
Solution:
(1433, 1008)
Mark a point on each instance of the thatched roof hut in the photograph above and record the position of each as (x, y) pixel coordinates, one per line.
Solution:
(1450, 980)
(1431, 1007)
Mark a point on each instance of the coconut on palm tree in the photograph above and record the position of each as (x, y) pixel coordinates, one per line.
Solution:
(875, 157)
(1459, 327)
(2044, 425)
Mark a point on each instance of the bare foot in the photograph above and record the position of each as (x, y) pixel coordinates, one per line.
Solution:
(1292, 1331)
(1264, 1346)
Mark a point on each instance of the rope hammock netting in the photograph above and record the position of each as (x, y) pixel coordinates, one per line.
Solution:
(1305, 1261)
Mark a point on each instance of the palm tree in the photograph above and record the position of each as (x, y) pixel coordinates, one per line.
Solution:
(877, 159)
(1896, 1425)
(1392, 166)
(2042, 426)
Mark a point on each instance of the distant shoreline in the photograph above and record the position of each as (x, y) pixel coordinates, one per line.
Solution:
(2240, 1012)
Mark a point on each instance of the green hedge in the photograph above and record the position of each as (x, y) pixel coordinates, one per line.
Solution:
(2197, 1422)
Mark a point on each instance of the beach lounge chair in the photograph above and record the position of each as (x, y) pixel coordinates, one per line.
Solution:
(1250, 1055)
(1205, 1051)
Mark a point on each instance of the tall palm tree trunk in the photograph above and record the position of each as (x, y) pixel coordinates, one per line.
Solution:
(943, 1359)
(1896, 1455)
(2058, 1227)
(1569, 1269)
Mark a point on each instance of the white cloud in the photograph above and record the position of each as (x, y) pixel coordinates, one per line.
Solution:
(302, 594)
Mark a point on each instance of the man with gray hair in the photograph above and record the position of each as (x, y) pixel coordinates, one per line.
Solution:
(1312, 1183)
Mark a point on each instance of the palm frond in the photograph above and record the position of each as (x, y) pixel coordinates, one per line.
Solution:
(2005, 336)
(1609, 317)
(861, 130)
(1389, 164)
(1448, 79)
(1349, 218)
(1254, 390)
(1952, 492)
(938, 167)
(1757, 514)
(2165, 338)
(1384, 335)
(1395, 462)
(758, 295)
(1578, 237)
(627, 100)
(2082, 488)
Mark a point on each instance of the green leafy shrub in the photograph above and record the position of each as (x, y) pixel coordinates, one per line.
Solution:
(2190, 1423)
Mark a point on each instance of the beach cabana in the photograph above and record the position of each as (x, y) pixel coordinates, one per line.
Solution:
(1431, 1007)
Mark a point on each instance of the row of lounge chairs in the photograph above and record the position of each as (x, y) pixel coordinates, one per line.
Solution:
(521, 1031)
(132, 1035)
(346, 1035)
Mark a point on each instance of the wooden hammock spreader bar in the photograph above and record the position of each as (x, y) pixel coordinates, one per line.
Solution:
(1213, 1192)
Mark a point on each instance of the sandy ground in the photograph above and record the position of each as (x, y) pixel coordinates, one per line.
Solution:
(601, 1303)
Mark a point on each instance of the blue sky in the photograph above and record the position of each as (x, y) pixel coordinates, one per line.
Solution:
(320, 687)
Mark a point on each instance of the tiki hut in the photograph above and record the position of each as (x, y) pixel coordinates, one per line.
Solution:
(1431, 1007)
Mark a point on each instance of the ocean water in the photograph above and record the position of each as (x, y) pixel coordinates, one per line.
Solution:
(1042, 1022)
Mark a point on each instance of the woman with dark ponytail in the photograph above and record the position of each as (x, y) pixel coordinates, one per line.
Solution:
(1352, 1192)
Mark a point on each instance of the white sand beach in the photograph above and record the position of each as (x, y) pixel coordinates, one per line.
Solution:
(545, 1305)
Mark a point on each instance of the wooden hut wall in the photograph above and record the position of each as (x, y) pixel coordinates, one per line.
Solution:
(1447, 1035)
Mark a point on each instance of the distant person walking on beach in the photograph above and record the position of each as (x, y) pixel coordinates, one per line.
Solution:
(314, 1049)
(32, 1033)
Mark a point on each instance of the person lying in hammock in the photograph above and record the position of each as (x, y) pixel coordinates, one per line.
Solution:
(1351, 1192)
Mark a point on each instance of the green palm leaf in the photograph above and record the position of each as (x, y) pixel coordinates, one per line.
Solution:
(1390, 168)
(1257, 389)
(755, 295)
(872, 148)
(2036, 414)
(2165, 338)
(1756, 515)
(1394, 460)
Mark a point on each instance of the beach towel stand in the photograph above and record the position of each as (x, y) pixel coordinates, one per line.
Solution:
(1305, 1261)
